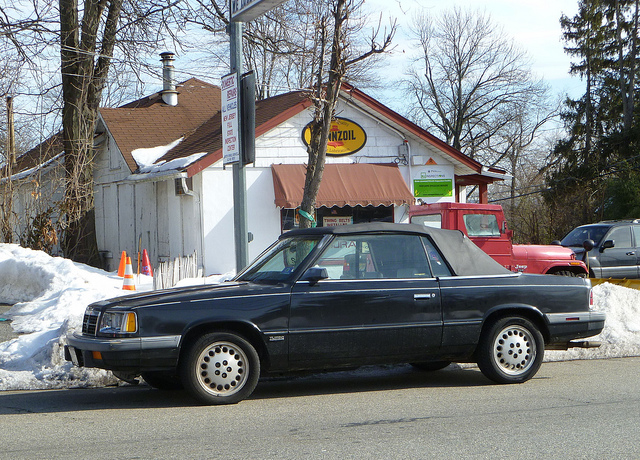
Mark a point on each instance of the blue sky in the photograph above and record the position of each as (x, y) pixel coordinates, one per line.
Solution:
(534, 27)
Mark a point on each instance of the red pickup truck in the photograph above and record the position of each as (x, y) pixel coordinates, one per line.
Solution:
(486, 226)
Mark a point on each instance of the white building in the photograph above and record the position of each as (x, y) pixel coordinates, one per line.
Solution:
(160, 183)
(159, 177)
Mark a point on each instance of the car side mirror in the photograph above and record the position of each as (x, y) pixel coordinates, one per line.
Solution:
(556, 243)
(315, 274)
(607, 244)
(588, 245)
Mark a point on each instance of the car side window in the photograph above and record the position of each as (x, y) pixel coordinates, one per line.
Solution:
(436, 261)
(636, 234)
(375, 256)
(621, 236)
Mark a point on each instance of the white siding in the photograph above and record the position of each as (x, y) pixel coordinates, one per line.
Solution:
(217, 210)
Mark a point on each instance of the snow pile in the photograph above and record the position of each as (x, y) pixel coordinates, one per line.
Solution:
(49, 296)
(621, 334)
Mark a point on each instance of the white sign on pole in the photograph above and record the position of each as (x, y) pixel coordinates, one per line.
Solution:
(246, 10)
(230, 134)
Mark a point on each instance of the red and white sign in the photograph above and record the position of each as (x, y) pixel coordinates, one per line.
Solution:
(230, 134)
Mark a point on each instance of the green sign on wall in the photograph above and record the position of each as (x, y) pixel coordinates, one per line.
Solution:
(432, 187)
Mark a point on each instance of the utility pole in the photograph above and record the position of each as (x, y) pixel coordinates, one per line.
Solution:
(241, 234)
(7, 199)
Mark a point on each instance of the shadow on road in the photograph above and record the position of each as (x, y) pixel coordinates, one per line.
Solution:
(369, 378)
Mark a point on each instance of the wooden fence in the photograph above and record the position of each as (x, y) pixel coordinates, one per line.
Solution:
(167, 274)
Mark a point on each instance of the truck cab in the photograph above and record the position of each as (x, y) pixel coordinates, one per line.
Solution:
(486, 226)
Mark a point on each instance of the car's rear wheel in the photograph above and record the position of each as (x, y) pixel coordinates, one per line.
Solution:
(163, 380)
(220, 368)
(431, 366)
(510, 350)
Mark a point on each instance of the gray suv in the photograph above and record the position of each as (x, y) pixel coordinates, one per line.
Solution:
(613, 248)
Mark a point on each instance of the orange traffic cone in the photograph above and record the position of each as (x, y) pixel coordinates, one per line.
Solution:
(128, 283)
(123, 262)
(146, 264)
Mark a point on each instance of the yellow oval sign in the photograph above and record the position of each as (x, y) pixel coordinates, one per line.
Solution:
(345, 137)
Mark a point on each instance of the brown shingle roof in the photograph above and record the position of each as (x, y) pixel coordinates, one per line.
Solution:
(269, 114)
(208, 137)
(149, 122)
(39, 155)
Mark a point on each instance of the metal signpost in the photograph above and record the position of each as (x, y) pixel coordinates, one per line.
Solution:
(232, 131)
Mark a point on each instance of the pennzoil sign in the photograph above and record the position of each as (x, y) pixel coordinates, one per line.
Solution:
(345, 137)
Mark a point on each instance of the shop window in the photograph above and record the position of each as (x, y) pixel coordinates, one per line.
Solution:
(339, 216)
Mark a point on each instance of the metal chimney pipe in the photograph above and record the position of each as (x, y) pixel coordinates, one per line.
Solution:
(169, 93)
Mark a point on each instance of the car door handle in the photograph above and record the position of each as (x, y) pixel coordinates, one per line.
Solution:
(632, 253)
(431, 295)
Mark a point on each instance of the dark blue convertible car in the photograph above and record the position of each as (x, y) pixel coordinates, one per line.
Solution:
(336, 297)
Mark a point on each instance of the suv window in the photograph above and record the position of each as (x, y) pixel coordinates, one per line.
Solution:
(481, 224)
(428, 220)
(621, 236)
(576, 237)
(636, 233)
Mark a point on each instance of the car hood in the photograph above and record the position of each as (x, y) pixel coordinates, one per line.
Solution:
(186, 294)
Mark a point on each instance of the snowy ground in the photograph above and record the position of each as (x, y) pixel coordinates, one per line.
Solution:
(49, 296)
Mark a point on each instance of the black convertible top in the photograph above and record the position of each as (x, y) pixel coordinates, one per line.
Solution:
(464, 257)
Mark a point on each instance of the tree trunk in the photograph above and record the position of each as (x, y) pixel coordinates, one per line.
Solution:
(82, 85)
(324, 114)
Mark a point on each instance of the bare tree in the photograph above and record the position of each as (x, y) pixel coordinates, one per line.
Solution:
(282, 46)
(470, 83)
(327, 87)
(89, 33)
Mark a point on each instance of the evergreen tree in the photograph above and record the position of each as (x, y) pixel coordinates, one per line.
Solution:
(593, 167)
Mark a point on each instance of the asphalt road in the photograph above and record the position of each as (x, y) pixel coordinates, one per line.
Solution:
(576, 410)
(6, 332)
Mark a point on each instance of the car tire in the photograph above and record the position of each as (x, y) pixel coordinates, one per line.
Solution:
(220, 368)
(163, 380)
(511, 350)
(431, 366)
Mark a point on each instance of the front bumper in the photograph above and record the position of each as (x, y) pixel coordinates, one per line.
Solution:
(123, 354)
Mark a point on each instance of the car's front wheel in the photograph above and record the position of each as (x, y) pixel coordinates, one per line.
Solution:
(511, 350)
(220, 368)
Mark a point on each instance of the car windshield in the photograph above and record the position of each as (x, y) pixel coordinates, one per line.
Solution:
(278, 263)
(591, 232)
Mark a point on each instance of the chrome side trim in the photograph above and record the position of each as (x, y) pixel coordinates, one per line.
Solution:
(165, 341)
(84, 342)
(367, 328)
(581, 317)
(371, 291)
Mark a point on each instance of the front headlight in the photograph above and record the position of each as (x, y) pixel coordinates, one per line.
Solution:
(118, 322)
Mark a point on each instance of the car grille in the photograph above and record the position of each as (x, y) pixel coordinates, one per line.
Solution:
(90, 322)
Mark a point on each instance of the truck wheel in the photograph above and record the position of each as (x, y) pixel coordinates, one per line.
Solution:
(220, 368)
(510, 350)
(566, 273)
